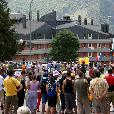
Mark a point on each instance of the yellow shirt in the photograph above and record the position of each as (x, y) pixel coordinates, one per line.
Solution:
(10, 84)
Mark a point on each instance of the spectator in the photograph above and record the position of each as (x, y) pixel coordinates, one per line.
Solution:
(1, 91)
(68, 91)
(21, 93)
(81, 87)
(32, 94)
(110, 81)
(62, 97)
(12, 86)
(98, 89)
(52, 95)
(43, 91)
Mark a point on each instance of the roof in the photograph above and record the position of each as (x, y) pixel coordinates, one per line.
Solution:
(16, 16)
(34, 26)
(95, 40)
(41, 41)
(96, 28)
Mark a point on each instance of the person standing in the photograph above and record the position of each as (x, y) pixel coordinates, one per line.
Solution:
(99, 88)
(32, 94)
(110, 81)
(62, 97)
(51, 88)
(81, 87)
(21, 93)
(1, 91)
(43, 91)
(68, 91)
(11, 86)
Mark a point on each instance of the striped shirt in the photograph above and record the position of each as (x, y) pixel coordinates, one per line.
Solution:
(98, 86)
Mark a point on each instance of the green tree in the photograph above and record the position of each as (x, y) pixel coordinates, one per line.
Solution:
(64, 46)
(8, 44)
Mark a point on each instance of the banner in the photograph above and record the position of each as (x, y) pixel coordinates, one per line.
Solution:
(86, 60)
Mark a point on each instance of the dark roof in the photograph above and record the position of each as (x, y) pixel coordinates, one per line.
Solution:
(34, 26)
(96, 28)
(49, 18)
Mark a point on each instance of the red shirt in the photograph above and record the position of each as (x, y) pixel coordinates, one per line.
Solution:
(90, 72)
(110, 79)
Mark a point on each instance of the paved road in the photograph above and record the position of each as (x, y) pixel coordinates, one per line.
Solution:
(46, 107)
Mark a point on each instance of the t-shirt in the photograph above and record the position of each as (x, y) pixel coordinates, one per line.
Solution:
(81, 86)
(98, 86)
(10, 84)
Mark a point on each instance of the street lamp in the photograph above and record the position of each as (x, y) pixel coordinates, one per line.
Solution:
(30, 27)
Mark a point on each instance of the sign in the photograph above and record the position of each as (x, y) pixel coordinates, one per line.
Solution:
(85, 59)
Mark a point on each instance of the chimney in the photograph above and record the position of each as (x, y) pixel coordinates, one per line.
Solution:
(79, 19)
(91, 21)
(102, 27)
(66, 18)
(37, 15)
(24, 21)
(106, 28)
(85, 21)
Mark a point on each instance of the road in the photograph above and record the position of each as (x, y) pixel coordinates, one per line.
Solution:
(46, 107)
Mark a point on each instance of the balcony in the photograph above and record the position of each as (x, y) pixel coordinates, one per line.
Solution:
(94, 50)
(34, 52)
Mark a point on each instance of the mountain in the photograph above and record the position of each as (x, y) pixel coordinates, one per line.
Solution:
(99, 10)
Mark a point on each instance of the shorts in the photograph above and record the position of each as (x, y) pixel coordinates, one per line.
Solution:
(52, 101)
(62, 97)
(101, 106)
(2, 96)
(11, 101)
(44, 98)
(70, 101)
(110, 97)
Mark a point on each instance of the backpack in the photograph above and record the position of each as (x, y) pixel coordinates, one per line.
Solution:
(43, 87)
(52, 89)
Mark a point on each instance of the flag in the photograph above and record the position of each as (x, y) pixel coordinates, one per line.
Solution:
(97, 58)
(101, 56)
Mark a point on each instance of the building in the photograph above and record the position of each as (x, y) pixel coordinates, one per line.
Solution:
(41, 34)
(95, 40)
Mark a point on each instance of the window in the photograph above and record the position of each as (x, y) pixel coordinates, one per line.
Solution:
(84, 36)
(104, 45)
(99, 45)
(90, 45)
(39, 36)
(90, 54)
(89, 36)
(84, 45)
(34, 36)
